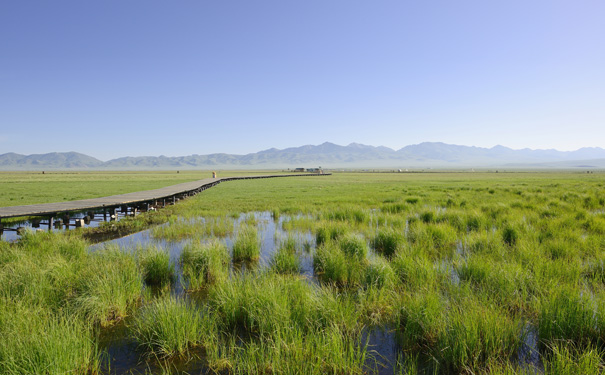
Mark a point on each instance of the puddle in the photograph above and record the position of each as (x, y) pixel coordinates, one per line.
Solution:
(528, 356)
(382, 349)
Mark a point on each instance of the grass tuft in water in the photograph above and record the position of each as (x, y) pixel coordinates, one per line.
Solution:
(354, 246)
(204, 263)
(285, 260)
(247, 245)
(155, 265)
(387, 241)
(171, 326)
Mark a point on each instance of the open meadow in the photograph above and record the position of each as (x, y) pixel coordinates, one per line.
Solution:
(378, 273)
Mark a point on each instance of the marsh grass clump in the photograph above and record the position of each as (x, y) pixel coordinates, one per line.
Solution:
(204, 263)
(108, 287)
(247, 244)
(171, 326)
(567, 359)
(351, 215)
(420, 319)
(294, 351)
(177, 229)
(263, 304)
(286, 260)
(275, 214)
(387, 241)
(395, 208)
(475, 222)
(476, 333)
(35, 341)
(354, 246)
(332, 265)
(155, 265)
(328, 232)
(378, 273)
(510, 235)
(484, 243)
(568, 314)
(414, 270)
(427, 217)
(437, 240)
(506, 283)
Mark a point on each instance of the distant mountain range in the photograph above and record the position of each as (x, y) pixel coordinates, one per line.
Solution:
(329, 156)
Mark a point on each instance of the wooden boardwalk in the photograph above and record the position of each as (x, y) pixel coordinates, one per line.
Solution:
(162, 196)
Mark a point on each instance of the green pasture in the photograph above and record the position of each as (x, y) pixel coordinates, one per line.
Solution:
(22, 188)
(472, 273)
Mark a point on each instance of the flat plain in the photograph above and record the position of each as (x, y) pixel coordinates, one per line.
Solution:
(474, 273)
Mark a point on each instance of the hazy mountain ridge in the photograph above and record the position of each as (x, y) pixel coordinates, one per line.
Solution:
(328, 155)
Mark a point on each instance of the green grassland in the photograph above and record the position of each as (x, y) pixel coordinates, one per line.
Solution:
(22, 188)
(465, 269)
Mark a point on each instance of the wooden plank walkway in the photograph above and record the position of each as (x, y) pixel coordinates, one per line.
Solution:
(170, 193)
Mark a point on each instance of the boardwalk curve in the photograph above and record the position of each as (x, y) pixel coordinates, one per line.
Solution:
(169, 194)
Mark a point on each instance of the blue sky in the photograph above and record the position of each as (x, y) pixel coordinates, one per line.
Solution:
(116, 78)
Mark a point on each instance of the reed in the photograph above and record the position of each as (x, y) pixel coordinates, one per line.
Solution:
(354, 246)
(476, 333)
(566, 359)
(387, 241)
(285, 261)
(35, 341)
(329, 232)
(567, 314)
(108, 287)
(247, 245)
(155, 265)
(204, 264)
(171, 326)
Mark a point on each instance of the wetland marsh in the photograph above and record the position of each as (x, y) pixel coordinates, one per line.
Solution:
(386, 273)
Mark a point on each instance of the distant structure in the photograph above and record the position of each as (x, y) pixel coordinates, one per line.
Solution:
(308, 170)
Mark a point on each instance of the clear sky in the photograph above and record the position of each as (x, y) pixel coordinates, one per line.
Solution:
(145, 77)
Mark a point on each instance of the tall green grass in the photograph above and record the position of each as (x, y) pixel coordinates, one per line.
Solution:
(171, 326)
(285, 259)
(387, 241)
(155, 265)
(108, 287)
(35, 341)
(247, 244)
(204, 264)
